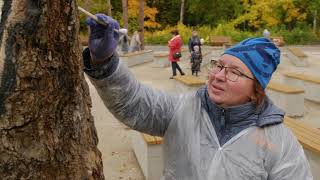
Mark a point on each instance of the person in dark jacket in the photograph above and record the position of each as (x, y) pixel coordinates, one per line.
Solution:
(196, 59)
(228, 129)
(194, 41)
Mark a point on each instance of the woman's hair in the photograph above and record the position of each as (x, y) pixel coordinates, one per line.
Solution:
(175, 32)
(259, 94)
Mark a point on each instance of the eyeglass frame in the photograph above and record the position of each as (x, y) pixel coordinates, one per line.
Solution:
(241, 74)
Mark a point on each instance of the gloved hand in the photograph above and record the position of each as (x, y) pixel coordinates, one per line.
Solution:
(103, 40)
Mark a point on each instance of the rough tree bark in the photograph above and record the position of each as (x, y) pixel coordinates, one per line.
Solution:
(141, 22)
(46, 128)
(1, 3)
(125, 14)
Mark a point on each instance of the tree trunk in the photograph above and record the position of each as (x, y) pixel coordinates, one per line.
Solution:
(46, 127)
(109, 8)
(315, 21)
(182, 11)
(1, 3)
(125, 13)
(141, 23)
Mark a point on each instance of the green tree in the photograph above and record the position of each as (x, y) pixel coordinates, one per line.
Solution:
(314, 11)
(270, 13)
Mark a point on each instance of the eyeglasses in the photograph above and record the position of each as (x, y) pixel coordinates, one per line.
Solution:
(232, 73)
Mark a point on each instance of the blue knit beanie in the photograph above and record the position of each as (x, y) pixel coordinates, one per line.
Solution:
(260, 55)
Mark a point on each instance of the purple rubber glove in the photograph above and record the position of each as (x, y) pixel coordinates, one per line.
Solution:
(103, 40)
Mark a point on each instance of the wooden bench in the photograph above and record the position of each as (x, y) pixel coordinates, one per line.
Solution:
(310, 84)
(220, 40)
(278, 40)
(289, 98)
(297, 52)
(149, 153)
(309, 138)
(297, 57)
(188, 83)
(138, 57)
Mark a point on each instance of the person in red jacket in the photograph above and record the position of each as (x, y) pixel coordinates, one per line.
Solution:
(175, 44)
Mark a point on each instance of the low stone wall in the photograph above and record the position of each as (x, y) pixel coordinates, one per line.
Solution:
(138, 57)
(310, 84)
(149, 152)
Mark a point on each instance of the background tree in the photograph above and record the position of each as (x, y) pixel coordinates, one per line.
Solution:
(270, 13)
(313, 11)
(46, 128)
(109, 8)
(141, 22)
(136, 11)
(182, 11)
(125, 13)
(296, 21)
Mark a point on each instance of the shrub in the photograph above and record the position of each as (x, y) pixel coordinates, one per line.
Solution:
(301, 34)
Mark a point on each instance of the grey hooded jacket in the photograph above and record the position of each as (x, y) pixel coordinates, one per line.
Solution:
(201, 143)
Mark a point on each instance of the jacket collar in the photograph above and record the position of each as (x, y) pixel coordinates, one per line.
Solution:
(248, 113)
(173, 38)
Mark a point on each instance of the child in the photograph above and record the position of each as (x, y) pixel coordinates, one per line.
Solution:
(196, 59)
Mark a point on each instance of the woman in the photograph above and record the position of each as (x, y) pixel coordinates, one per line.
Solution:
(227, 130)
(135, 43)
(175, 44)
(124, 42)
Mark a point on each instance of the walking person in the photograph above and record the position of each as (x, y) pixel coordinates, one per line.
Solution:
(226, 130)
(175, 44)
(135, 43)
(196, 59)
(124, 42)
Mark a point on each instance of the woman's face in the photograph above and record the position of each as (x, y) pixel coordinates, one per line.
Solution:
(225, 92)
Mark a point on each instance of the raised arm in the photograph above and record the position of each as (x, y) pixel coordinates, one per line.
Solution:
(136, 105)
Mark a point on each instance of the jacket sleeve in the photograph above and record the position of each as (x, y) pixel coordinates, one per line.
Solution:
(292, 162)
(134, 104)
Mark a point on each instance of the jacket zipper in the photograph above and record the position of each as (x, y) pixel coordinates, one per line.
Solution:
(223, 112)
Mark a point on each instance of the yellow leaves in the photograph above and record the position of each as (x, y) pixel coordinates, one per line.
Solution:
(149, 13)
(151, 24)
(133, 8)
(292, 12)
(260, 13)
